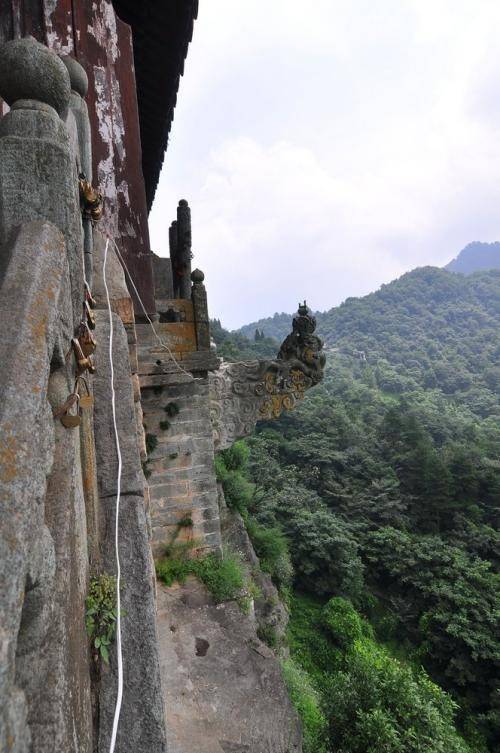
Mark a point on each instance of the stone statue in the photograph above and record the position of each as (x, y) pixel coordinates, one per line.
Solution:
(303, 345)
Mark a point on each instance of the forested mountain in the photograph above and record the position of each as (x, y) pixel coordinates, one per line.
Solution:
(475, 257)
(431, 278)
(278, 326)
(374, 505)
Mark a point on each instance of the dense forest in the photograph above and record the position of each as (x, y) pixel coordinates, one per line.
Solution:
(374, 506)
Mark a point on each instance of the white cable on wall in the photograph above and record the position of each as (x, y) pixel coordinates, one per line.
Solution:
(118, 491)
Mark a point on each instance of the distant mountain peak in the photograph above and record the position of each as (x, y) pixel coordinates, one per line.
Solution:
(475, 257)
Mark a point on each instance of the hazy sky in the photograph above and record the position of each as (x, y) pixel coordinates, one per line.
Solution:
(326, 147)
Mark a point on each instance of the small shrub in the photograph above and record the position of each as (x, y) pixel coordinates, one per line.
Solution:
(343, 623)
(254, 590)
(235, 457)
(272, 549)
(245, 603)
(101, 614)
(173, 455)
(173, 570)
(222, 577)
(164, 425)
(268, 635)
(151, 443)
(237, 491)
(171, 409)
(178, 549)
(306, 701)
(145, 469)
(229, 464)
(221, 471)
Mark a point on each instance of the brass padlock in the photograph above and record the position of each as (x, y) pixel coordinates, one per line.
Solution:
(92, 369)
(90, 200)
(86, 401)
(84, 362)
(67, 419)
(86, 339)
(89, 298)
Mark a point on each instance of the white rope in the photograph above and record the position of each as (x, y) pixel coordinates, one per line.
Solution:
(161, 342)
(118, 491)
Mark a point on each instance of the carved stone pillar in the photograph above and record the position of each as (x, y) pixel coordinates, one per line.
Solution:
(172, 242)
(200, 309)
(183, 255)
(38, 174)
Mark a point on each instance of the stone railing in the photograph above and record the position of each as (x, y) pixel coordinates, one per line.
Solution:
(44, 552)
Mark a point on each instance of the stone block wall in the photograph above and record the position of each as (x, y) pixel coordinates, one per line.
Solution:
(180, 468)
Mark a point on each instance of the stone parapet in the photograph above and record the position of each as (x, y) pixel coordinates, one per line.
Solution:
(44, 681)
(141, 726)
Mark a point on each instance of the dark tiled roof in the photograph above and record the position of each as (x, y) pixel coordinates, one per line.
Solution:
(162, 31)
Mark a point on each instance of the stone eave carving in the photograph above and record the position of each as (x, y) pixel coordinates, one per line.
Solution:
(245, 392)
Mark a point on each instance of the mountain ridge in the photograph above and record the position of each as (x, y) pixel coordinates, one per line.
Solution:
(476, 256)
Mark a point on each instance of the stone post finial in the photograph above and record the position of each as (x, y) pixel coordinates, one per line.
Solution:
(200, 310)
(78, 77)
(197, 276)
(30, 71)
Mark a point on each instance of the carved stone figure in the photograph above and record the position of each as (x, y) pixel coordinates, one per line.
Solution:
(303, 345)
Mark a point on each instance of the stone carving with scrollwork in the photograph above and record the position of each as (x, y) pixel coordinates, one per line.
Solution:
(243, 393)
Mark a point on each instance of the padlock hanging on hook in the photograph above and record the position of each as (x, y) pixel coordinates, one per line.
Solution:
(84, 362)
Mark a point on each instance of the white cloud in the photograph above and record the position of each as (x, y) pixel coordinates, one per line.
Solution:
(327, 148)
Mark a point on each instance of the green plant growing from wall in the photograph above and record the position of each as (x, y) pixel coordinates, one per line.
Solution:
(268, 634)
(229, 469)
(101, 613)
(171, 409)
(223, 577)
(164, 425)
(185, 522)
(151, 443)
(271, 547)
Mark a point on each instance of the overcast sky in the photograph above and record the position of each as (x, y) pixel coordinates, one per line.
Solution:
(326, 147)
